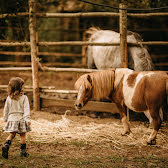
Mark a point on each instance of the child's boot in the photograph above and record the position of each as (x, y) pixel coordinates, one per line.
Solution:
(5, 149)
(23, 152)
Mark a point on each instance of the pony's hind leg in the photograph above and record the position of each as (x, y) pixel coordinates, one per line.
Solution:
(147, 114)
(156, 125)
(123, 112)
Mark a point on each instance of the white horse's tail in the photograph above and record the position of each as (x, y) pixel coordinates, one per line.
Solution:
(147, 60)
(136, 35)
(140, 54)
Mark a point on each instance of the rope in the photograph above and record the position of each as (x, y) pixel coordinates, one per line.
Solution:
(128, 9)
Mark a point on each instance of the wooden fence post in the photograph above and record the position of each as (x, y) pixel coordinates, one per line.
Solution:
(34, 59)
(84, 59)
(123, 36)
(123, 40)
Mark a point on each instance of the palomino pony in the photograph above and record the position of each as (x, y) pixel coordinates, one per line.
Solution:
(103, 57)
(144, 91)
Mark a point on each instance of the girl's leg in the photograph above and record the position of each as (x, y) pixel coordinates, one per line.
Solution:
(7, 144)
(23, 152)
(23, 138)
(11, 136)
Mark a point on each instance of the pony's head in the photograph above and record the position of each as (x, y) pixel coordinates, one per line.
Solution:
(95, 85)
(84, 87)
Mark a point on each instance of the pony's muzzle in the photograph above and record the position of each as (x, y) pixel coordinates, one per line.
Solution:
(78, 106)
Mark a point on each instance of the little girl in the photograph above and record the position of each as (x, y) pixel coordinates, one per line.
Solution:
(16, 114)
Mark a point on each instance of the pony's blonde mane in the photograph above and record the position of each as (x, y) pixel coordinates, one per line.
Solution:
(102, 83)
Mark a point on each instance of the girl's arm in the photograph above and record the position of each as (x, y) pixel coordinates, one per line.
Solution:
(6, 110)
(26, 115)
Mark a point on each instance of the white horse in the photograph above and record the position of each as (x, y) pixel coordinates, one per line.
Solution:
(103, 57)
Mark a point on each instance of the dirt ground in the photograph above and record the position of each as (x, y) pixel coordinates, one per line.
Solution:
(63, 137)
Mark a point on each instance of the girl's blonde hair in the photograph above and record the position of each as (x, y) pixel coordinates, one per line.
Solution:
(15, 87)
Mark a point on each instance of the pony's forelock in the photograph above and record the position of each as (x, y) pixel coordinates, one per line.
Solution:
(82, 80)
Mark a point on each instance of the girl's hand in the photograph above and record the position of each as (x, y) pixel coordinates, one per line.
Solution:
(28, 122)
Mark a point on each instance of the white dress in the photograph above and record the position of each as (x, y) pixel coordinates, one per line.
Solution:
(17, 113)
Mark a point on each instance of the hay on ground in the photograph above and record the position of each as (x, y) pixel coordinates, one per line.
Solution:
(65, 129)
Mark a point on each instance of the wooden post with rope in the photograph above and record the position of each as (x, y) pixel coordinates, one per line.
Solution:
(123, 39)
(34, 59)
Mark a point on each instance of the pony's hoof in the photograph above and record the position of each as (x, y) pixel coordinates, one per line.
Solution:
(125, 133)
(151, 142)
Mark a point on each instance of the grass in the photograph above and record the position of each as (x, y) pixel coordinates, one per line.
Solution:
(34, 160)
(151, 161)
(49, 160)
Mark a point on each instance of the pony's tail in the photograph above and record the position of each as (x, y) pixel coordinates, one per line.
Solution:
(166, 105)
(167, 90)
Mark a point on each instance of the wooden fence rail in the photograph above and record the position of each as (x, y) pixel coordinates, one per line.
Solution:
(91, 105)
(16, 69)
(82, 70)
(46, 102)
(40, 53)
(82, 30)
(50, 64)
(45, 89)
(57, 64)
(10, 44)
(88, 14)
(80, 43)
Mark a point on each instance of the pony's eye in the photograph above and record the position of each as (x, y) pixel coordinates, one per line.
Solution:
(87, 89)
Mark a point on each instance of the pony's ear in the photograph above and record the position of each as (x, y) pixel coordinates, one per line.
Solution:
(78, 75)
(89, 79)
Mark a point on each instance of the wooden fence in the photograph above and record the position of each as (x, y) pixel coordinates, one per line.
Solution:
(34, 43)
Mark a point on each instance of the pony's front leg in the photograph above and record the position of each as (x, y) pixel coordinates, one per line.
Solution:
(156, 125)
(123, 112)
